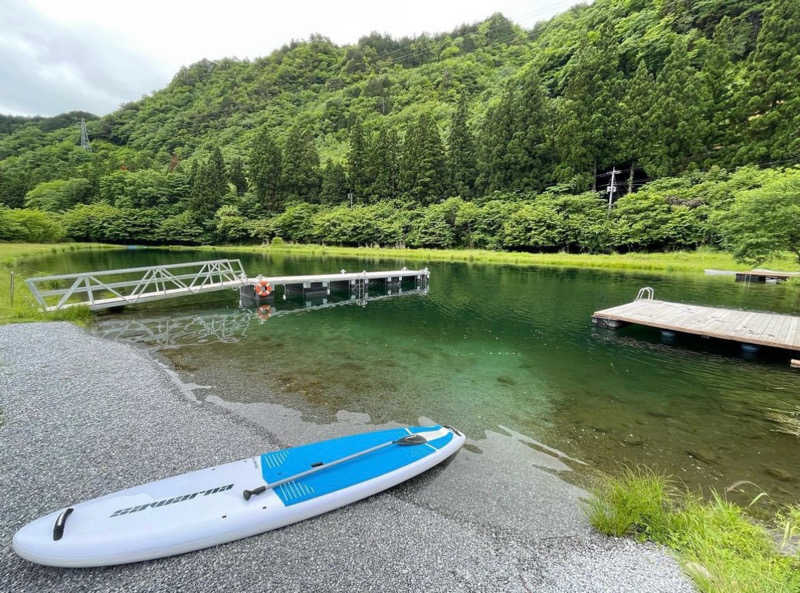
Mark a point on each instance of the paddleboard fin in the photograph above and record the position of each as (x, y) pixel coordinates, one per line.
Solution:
(58, 528)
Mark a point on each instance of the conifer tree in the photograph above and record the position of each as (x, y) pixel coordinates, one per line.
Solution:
(461, 153)
(301, 178)
(206, 197)
(679, 125)
(237, 177)
(772, 107)
(384, 164)
(193, 173)
(358, 164)
(265, 171)
(587, 133)
(217, 177)
(334, 183)
(635, 124)
(423, 163)
(496, 134)
(514, 145)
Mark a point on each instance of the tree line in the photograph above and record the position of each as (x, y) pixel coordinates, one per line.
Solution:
(489, 113)
(752, 212)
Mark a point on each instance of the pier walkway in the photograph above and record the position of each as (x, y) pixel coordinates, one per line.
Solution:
(746, 327)
(108, 289)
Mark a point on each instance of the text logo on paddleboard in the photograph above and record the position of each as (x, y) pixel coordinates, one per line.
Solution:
(166, 501)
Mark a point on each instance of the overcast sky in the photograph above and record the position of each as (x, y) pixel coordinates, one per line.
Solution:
(93, 55)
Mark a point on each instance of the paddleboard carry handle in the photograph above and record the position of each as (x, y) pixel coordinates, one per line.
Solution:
(412, 439)
(58, 527)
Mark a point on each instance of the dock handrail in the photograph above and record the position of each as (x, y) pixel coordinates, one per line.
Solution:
(203, 276)
(645, 293)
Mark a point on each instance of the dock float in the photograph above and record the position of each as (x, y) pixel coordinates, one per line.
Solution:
(750, 328)
(107, 289)
(762, 275)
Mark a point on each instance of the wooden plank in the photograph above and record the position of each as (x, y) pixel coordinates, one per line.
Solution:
(767, 329)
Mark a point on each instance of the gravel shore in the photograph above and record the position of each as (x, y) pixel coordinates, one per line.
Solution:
(85, 416)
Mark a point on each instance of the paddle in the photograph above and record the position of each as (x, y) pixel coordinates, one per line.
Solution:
(412, 439)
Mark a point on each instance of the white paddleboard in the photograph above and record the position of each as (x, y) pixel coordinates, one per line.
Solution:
(231, 501)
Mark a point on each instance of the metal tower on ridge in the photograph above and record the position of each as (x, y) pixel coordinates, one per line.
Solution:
(85, 137)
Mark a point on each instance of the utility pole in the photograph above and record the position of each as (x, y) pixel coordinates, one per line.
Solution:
(85, 137)
(612, 187)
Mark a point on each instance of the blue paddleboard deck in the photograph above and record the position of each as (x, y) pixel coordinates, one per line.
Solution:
(288, 462)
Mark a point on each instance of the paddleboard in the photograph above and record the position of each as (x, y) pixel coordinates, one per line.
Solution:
(234, 500)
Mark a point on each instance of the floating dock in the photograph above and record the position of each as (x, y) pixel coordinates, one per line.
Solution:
(109, 289)
(746, 327)
(761, 275)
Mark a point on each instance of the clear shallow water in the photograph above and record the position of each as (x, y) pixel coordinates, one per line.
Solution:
(491, 347)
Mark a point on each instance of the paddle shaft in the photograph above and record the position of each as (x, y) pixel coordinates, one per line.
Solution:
(314, 470)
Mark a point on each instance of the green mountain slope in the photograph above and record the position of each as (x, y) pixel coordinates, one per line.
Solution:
(655, 87)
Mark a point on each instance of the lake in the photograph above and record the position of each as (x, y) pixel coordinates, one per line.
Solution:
(508, 350)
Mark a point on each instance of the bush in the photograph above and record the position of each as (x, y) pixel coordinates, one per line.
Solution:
(433, 227)
(30, 225)
(763, 222)
(535, 226)
(101, 222)
(230, 227)
(382, 224)
(182, 228)
(294, 223)
(59, 195)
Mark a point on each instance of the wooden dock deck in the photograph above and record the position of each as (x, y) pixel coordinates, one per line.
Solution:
(763, 275)
(747, 327)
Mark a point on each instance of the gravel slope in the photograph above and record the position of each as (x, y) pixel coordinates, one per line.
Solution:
(85, 416)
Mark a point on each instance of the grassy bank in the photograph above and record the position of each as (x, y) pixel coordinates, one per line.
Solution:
(24, 306)
(682, 262)
(719, 546)
(674, 261)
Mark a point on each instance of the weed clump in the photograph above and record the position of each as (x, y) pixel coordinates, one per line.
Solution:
(719, 546)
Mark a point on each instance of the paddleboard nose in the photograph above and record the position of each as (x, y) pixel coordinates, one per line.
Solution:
(31, 541)
(46, 540)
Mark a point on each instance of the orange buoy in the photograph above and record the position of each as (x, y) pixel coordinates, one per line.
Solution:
(263, 288)
(263, 312)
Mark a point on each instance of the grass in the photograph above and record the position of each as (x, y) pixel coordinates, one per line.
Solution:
(719, 546)
(683, 262)
(24, 307)
(675, 261)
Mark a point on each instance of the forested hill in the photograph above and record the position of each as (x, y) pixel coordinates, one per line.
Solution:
(659, 87)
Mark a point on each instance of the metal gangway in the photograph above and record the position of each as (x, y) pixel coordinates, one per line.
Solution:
(117, 288)
(130, 286)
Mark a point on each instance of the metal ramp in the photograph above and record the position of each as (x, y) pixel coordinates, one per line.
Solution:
(116, 288)
(130, 286)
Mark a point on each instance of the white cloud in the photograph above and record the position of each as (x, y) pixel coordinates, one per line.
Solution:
(95, 54)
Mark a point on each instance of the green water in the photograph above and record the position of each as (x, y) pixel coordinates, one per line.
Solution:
(490, 347)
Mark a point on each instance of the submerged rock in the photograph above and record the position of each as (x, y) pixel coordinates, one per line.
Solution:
(704, 455)
(779, 474)
(632, 441)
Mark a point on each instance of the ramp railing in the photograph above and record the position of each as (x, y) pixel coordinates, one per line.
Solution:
(115, 288)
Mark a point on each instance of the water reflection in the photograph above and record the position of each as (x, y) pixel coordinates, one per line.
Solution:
(171, 330)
